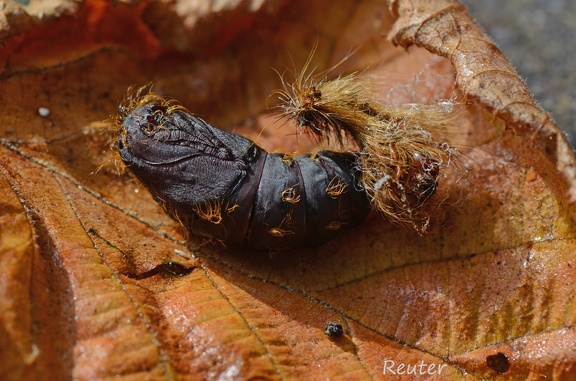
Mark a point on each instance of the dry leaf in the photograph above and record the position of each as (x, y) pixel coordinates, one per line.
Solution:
(97, 282)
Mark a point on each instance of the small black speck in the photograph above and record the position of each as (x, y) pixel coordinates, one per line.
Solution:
(174, 269)
(333, 329)
(498, 362)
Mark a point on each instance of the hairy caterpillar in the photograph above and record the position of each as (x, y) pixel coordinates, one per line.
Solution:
(223, 186)
(401, 149)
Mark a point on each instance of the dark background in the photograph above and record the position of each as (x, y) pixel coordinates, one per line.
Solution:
(539, 37)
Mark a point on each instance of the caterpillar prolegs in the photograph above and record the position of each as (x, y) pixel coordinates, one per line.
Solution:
(223, 186)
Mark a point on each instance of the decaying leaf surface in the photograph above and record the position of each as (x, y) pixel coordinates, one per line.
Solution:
(88, 262)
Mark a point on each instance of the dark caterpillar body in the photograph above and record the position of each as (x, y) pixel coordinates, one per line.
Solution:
(223, 186)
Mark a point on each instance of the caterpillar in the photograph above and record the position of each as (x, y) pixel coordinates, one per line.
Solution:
(223, 186)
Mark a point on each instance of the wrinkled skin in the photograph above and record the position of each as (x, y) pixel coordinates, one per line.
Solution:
(223, 186)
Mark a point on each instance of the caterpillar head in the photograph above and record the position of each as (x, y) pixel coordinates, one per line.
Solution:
(180, 158)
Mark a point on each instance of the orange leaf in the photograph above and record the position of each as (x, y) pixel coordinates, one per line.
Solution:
(96, 281)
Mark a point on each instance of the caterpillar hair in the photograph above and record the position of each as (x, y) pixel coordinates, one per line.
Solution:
(402, 149)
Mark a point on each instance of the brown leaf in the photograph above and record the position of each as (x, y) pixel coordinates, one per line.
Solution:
(96, 281)
(483, 74)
